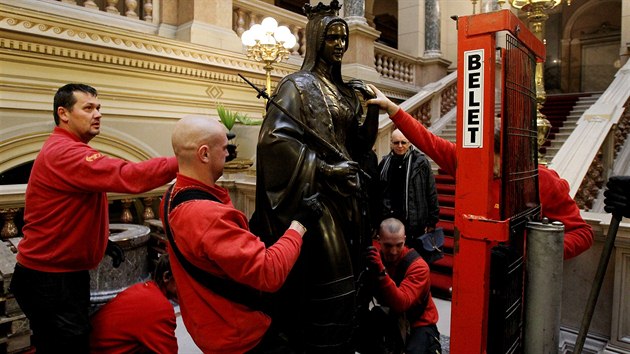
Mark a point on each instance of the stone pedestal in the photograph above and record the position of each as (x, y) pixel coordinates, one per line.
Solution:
(106, 281)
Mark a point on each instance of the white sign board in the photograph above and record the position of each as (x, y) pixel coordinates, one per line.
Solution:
(473, 99)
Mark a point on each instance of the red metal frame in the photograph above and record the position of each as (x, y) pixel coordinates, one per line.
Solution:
(478, 192)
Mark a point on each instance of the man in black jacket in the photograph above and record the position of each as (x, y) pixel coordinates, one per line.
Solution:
(408, 186)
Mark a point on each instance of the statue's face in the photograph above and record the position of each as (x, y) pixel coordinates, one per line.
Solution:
(334, 43)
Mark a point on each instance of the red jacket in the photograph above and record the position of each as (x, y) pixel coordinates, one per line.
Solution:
(553, 191)
(138, 320)
(411, 291)
(66, 213)
(216, 238)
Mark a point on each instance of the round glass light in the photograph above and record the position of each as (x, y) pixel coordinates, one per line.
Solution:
(269, 24)
(248, 38)
(257, 31)
(282, 33)
(290, 42)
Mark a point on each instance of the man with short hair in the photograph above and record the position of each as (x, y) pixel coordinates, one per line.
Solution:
(403, 285)
(408, 187)
(222, 268)
(66, 221)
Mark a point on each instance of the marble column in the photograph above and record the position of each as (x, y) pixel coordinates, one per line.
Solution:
(432, 29)
(354, 11)
(358, 61)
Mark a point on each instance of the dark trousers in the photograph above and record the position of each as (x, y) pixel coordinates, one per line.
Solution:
(381, 333)
(424, 340)
(57, 306)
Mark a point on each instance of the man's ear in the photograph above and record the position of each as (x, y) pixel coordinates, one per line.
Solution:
(63, 114)
(203, 153)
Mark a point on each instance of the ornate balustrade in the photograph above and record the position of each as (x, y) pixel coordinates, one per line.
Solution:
(135, 208)
(573, 160)
(249, 12)
(136, 9)
(598, 171)
(431, 106)
(392, 64)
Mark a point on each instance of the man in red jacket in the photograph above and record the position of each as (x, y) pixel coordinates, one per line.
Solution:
(66, 221)
(140, 319)
(555, 201)
(403, 285)
(210, 243)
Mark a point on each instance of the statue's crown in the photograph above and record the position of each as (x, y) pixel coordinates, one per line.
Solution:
(322, 10)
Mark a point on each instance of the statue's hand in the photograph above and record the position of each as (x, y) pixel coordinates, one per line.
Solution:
(345, 173)
(341, 170)
(360, 86)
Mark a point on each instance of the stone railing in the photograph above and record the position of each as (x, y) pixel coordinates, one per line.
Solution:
(134, 208)
(392, 64)
(136, 9)
(250, 12)
(430, 105)
(600, 168)
(593, 132)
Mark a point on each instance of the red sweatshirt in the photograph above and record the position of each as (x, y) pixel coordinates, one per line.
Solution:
(410, 292)
(555, 201)
(216, 238)
(138, 320)
(66, 213)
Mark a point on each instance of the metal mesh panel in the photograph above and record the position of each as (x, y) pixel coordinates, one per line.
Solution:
(519, 145)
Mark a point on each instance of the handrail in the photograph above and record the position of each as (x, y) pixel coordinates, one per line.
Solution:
(575, 156)
(433, 105)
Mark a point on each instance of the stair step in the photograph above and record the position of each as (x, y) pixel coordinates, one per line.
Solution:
(441, 285)
(447, 212)
(444, 262)
(444, 179)
(448, 226)
(446, 200)
(445, 188)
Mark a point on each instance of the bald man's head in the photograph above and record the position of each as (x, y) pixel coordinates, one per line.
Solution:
(192, 132)
(399, 143)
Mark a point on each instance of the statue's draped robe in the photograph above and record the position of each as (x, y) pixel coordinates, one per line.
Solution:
(318, 301)
(316, 307)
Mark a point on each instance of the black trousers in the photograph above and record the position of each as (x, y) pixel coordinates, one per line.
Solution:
(57, 306)
(424, 340)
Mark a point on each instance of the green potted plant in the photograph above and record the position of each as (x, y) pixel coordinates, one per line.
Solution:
(228, 119)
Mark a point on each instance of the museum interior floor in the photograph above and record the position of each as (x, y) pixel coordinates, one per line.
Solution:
(187, 346)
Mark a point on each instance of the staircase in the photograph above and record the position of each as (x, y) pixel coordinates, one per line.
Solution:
(562, 111)
(442, 270)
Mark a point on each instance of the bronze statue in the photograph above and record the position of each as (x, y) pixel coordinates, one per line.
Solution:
(316, 151)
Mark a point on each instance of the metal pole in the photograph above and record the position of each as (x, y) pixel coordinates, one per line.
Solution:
(597, 283)
(543, 291)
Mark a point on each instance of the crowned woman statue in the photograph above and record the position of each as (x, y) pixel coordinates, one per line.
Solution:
(313, 147)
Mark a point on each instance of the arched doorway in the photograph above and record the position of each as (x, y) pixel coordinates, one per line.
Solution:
(590, 43)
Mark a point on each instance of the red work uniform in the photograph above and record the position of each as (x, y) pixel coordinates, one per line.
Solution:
(216, 238)
(138, 320)
(411, 291)
(66, 212)
(555, 201)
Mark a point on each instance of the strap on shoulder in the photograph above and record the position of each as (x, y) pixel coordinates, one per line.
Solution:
(227, 288)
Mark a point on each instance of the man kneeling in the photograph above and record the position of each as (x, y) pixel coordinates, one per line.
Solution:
(407, 318)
